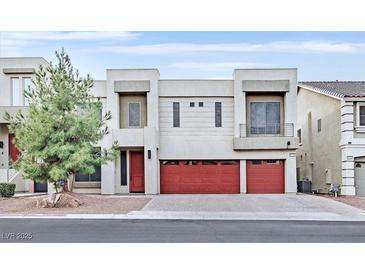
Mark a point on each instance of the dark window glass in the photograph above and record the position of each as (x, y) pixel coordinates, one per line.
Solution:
(123, 168)
(319, 125)
(265, 118)
(299, 133)
(226, 163)
(134, 115)
(362, 115)
(96, 176)
(170, 163)
(192, 104)
(93, 177)
(256, 162)
(176, 114)
(80, 177)
(272, 161)
(210, 163)
(201, 104)
(218, 114)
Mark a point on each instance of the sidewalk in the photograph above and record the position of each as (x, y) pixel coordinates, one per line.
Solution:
(202, 215)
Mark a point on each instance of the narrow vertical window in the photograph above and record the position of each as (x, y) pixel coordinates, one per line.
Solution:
(362, 115)
(176, 114)
(16, 98)
(299, 133)
(218, 114)
(27, 85)
(123, 168)
(134, 115)
(319, 125)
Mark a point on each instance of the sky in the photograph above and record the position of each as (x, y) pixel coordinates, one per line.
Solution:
(199, 55)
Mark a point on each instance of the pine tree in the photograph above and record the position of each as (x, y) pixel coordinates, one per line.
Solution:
(57, 137)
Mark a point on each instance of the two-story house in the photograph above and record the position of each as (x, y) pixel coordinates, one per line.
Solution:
(331, 131)
(191, 136)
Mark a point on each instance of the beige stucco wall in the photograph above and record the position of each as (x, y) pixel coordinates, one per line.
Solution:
(124, 100)
(320, 153)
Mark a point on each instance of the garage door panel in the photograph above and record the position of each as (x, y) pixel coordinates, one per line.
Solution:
(199, 178)
(265, 177)
(360, 179)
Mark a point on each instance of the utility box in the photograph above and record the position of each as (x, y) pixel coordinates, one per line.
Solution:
(304, 186)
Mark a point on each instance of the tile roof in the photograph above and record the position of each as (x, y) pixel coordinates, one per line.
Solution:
(340, 89)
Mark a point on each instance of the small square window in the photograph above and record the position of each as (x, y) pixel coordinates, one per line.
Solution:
(201, 104)
(272, 162)
(256, 162)
(192, 104)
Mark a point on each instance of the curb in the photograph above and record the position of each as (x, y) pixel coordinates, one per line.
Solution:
(206, 216)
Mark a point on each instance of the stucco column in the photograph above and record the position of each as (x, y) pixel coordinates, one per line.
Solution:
(243, 182)
(348, 174)
(151, 163)
(290, 174)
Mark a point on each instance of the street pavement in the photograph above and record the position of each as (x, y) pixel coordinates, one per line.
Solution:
(178, 231)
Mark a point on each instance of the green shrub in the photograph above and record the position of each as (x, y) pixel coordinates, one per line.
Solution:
(7, 190)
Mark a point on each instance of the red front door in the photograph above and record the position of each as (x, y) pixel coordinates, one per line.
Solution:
(14, 152)
(136, 184)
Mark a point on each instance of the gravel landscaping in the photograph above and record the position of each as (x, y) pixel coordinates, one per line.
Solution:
(93, 204)
(358, 202)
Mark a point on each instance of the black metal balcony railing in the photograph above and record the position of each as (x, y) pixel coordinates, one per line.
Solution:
(267, 130)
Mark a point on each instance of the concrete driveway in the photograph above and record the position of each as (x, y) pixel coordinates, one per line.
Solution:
(260, 206)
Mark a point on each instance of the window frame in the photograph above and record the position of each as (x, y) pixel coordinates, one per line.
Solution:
(358, 125)
(19, 79)
(177, 124)
(97, 171)
(140, 115)
(251, 125)
(21, 82)
(218, 119)
(24, 87)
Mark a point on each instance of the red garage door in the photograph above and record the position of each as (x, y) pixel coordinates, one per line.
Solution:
(200, 177)
(265, 176)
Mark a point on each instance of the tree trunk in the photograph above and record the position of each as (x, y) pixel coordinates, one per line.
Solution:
(65, 185)
(72, 182)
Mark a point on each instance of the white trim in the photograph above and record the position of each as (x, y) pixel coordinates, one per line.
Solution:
(140, 115)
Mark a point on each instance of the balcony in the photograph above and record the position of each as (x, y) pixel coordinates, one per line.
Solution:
(268, 137)
(267, 130)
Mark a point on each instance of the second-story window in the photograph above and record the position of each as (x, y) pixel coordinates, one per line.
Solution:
(362, 115)
(134, 115)
(218, 114)
(18, 85)
(265, 118)
(27, 84)
(176, 114)
(16, 93)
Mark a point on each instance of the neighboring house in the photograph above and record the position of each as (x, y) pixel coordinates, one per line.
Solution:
(192, 136)
(331, 131)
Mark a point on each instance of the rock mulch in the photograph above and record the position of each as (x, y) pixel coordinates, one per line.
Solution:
(358, 202)
(91, 204)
